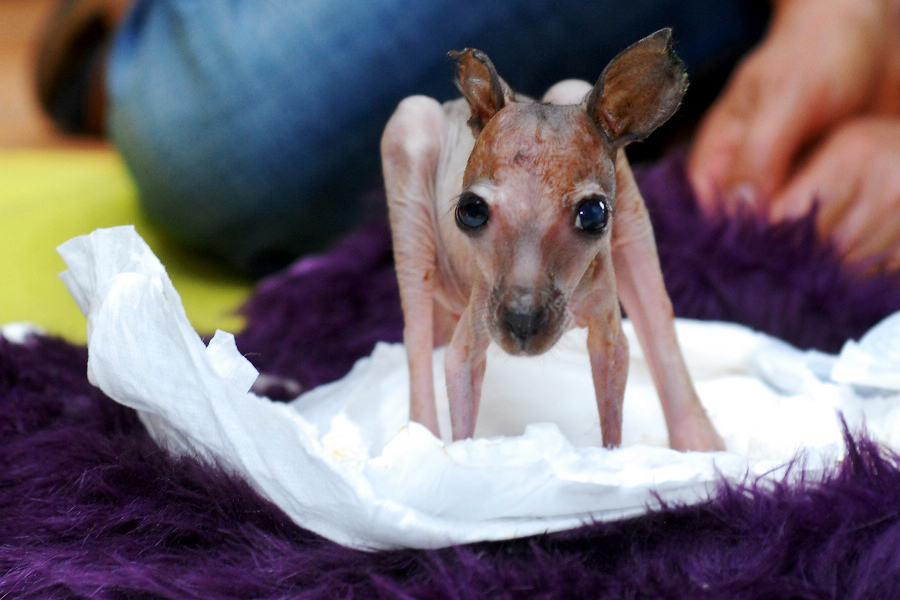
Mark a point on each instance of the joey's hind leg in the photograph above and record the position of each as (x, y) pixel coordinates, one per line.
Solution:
(644, 297)
(410, 149)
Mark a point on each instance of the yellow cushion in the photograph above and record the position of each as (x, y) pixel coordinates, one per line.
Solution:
(50, 196)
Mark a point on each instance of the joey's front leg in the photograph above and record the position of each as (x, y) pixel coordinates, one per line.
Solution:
(607, 349)
(410, 149)
(464, 365)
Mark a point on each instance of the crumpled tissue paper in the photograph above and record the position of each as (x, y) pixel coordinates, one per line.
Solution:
(342, 460)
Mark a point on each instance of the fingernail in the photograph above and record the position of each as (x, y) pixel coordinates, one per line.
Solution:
(743, 195)
(789, 209)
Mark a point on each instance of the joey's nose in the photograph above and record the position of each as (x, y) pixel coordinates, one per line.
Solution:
(524, 325)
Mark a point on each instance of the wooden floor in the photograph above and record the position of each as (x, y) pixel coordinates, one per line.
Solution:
(22, 124)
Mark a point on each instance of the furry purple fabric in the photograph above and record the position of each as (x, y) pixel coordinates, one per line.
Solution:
(91, 508)
(778, 279)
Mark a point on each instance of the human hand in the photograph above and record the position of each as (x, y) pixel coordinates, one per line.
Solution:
(854, 175)
(823, 62)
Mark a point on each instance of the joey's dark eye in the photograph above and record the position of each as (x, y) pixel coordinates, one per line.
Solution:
(471, 212)
(592, 214)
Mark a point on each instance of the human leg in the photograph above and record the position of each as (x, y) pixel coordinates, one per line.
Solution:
(252, 128)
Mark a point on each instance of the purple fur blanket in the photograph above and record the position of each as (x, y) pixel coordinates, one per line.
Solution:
(91, 508)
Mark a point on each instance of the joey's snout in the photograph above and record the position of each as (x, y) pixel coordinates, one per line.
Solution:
(527, 321)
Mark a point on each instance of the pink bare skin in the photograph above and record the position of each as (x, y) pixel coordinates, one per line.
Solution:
(514, 221)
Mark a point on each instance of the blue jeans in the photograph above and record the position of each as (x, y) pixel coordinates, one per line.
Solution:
(251, 127)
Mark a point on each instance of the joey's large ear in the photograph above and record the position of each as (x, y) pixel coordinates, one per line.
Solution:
(638, 90)
(479, 82)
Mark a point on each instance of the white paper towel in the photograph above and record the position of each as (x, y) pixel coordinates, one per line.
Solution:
(343, 461)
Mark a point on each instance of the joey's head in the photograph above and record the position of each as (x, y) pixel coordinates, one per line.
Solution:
(538, 203)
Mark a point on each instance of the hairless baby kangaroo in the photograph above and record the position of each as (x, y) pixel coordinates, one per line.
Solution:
(515, 220)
